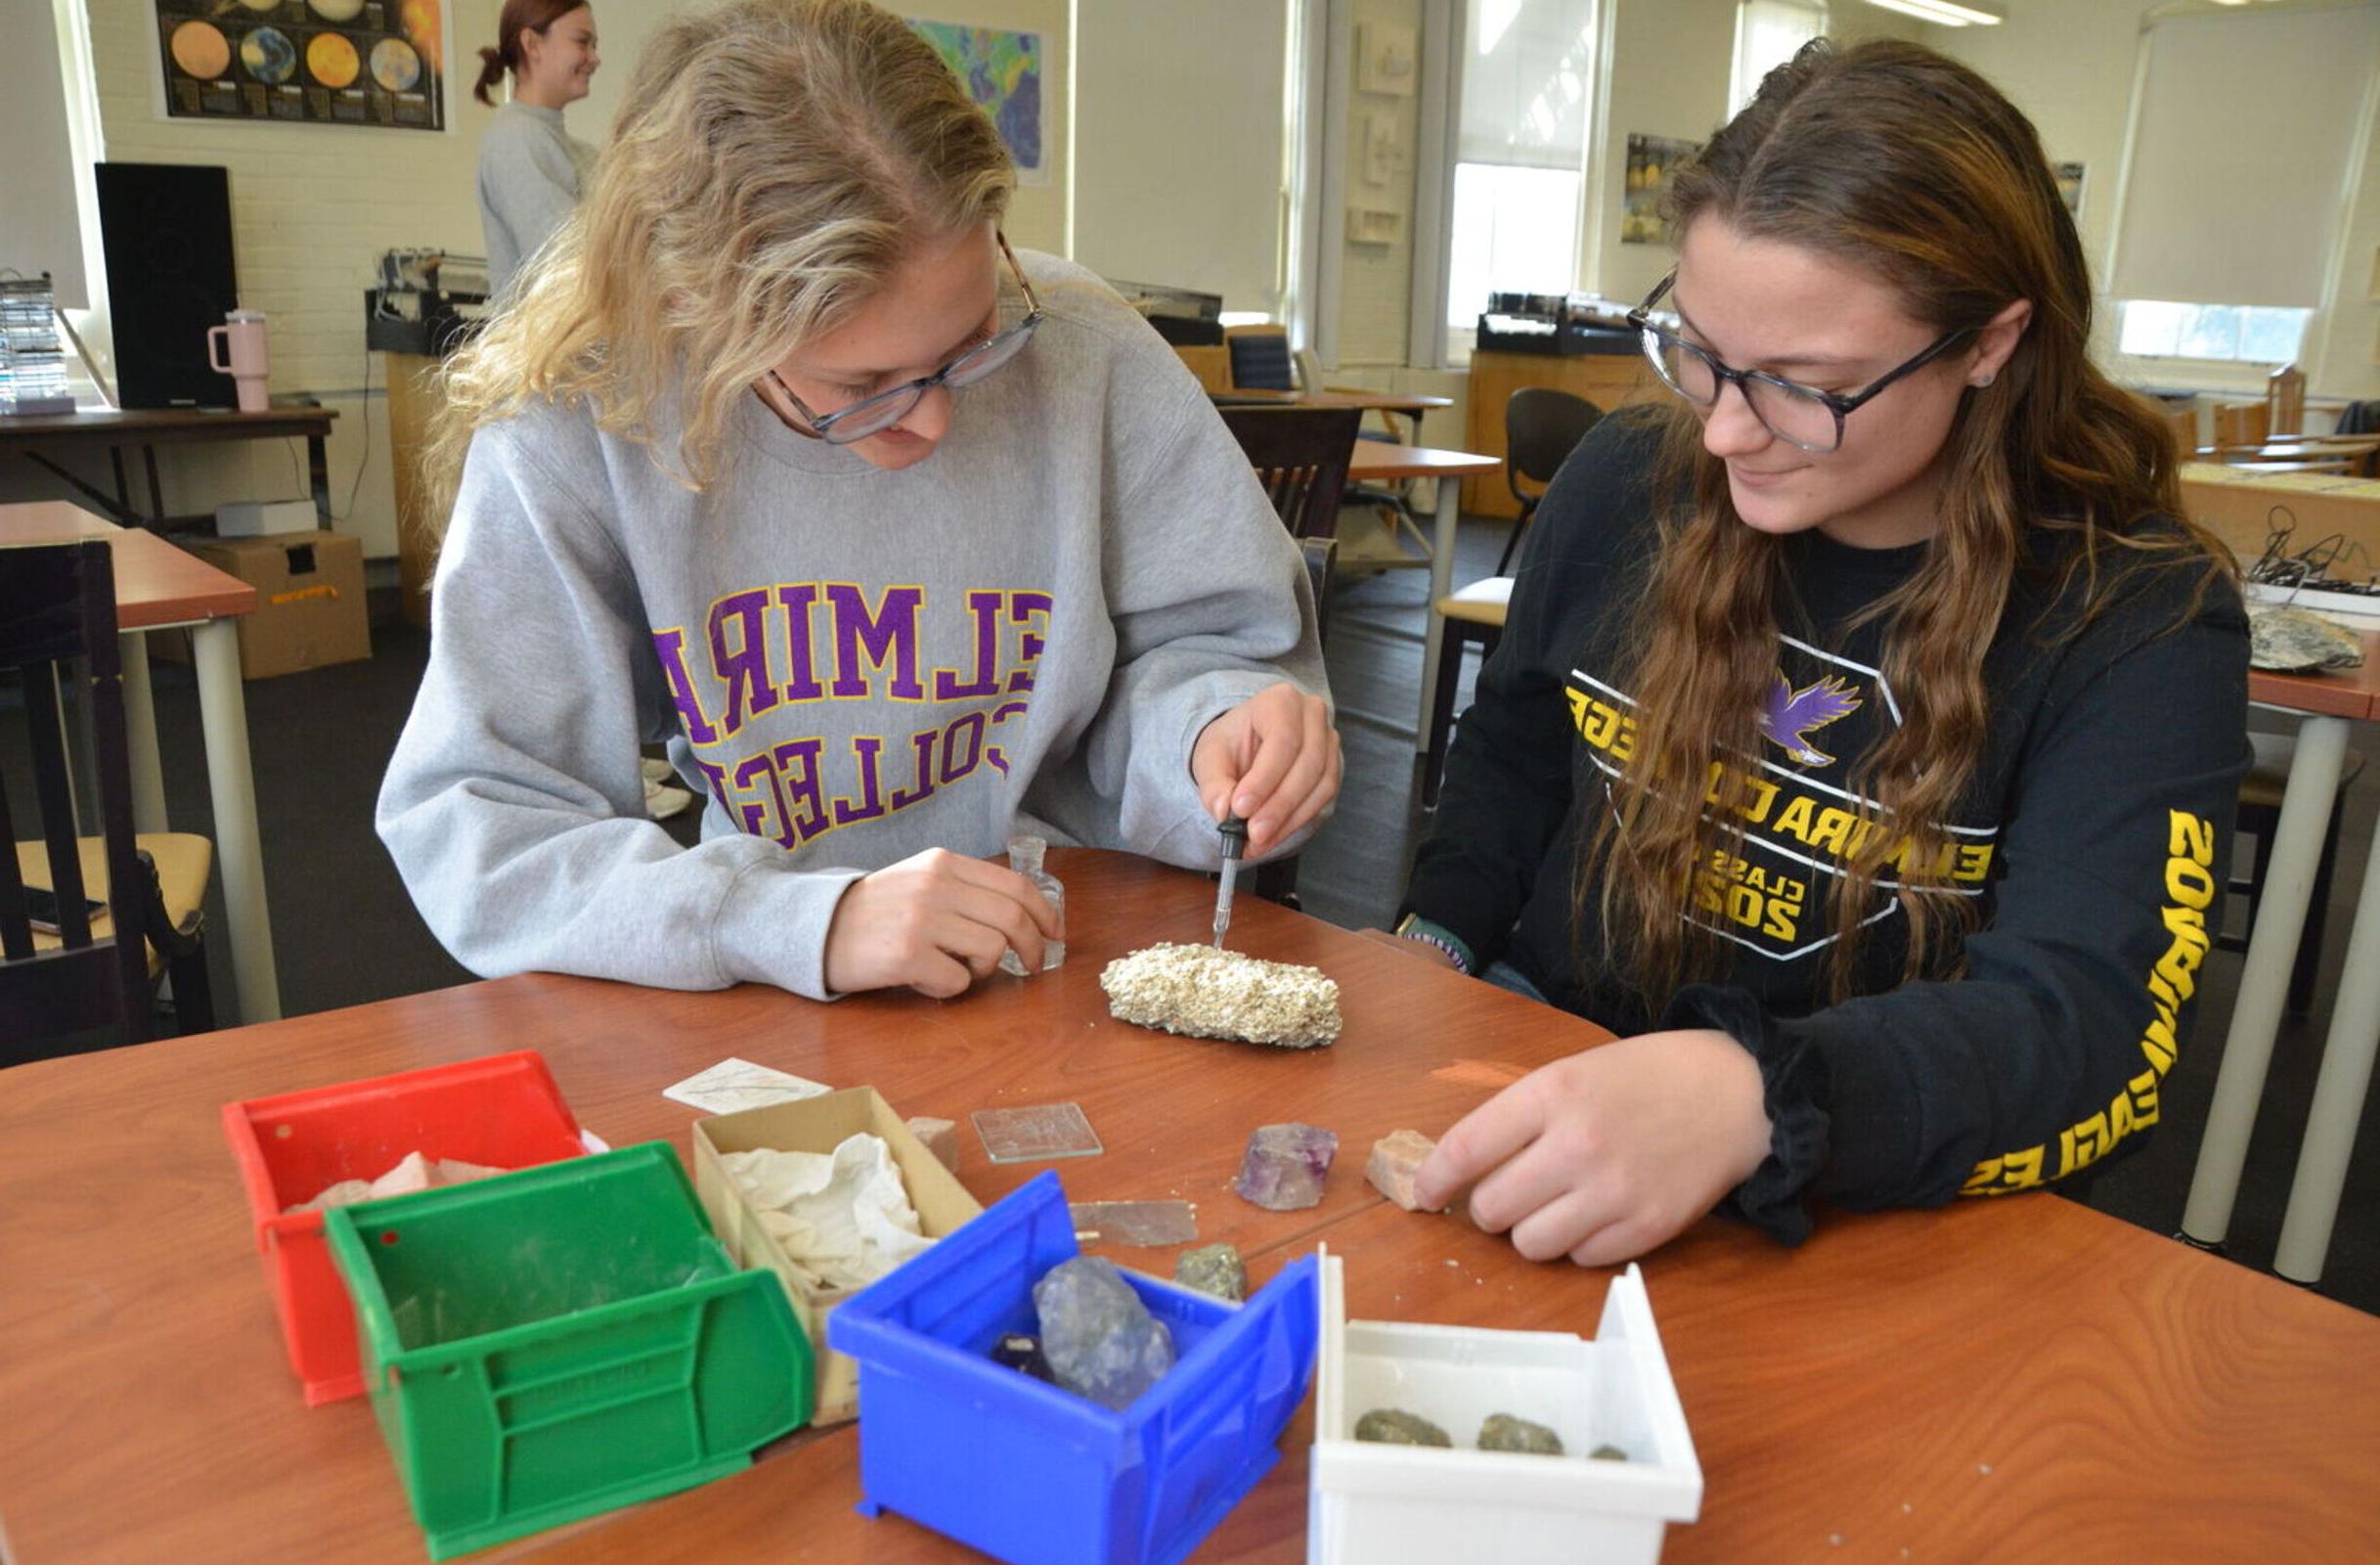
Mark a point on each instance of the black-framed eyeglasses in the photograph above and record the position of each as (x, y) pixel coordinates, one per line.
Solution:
(873, 415)
(1802, 417)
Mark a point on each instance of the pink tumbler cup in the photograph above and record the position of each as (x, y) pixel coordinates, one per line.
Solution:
(241, 342)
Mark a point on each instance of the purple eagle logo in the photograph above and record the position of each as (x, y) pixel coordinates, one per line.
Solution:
(1789, 715)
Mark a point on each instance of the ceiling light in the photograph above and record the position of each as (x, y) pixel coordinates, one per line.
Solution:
(1948, 12)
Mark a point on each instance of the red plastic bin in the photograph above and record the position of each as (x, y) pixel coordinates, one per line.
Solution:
(504, 1111)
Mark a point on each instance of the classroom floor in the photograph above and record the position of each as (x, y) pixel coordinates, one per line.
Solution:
(345, 932)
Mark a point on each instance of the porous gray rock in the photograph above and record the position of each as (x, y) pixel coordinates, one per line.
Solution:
(1200, 992)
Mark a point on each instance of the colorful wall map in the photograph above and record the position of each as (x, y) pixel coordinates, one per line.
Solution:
(1003, 73)
(325, 62)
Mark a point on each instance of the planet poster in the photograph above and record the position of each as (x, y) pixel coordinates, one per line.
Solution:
(376, 63)
(1004, 73)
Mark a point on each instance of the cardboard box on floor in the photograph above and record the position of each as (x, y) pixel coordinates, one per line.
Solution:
(310, 609)
(2244, 506)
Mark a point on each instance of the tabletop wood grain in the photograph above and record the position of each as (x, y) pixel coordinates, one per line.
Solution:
(2028, 1378)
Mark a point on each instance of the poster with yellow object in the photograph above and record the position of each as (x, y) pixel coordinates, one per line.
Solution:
(371, 63)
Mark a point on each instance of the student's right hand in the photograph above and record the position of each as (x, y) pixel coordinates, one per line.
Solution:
(935, 922)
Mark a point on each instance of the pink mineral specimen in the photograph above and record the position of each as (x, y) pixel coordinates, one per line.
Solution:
(941, 1137)
(1285, 1166)
(1397, 1159)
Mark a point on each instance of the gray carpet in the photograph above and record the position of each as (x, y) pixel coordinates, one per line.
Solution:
(345, 933)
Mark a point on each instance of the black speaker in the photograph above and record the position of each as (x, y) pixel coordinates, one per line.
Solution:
(166, 229)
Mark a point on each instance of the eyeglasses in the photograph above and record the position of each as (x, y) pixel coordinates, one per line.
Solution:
(1801, 415)
(873, 415)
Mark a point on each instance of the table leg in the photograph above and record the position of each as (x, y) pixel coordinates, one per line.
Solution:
(2293, 854)
(156, 491)
(141, 729)
(1442, 582)
(317, 470)
(223, 714)
(2339, 1089)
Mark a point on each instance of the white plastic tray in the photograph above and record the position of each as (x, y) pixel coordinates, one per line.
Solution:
(1378, 1504)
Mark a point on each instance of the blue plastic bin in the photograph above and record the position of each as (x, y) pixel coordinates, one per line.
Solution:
(1038, 1476)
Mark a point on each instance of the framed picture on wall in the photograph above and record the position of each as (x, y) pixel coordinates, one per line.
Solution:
(1003, 73)
(1650, 161)
(2070, 186)
(378, 64)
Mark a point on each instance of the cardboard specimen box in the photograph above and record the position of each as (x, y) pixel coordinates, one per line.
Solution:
(818, 1124)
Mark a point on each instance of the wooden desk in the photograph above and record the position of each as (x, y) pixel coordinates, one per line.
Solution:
(1606, 379)
(1411, 404)
(2116, 1386)
(2329, 703)
(35, 435)
(158, 586)
(1375, 463)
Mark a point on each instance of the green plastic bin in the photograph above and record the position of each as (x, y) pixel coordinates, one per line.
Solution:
(556, 1342)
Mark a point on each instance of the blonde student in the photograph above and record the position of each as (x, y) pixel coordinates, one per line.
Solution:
(903, 539)
(1861, 747)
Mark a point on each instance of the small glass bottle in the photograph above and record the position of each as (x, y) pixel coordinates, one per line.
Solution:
(1025, 858)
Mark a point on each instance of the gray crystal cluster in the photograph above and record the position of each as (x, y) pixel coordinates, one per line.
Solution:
(1200, 992)
(1285, 1165)
(1393, 1426)
(1099, 1340)
(1213, 1269)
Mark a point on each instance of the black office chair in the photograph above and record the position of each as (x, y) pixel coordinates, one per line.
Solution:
(88, 973)
(1300, 455)
(1541, 427)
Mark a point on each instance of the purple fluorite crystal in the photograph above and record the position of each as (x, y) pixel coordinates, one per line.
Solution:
(1285, 1166)
(1098, 1338)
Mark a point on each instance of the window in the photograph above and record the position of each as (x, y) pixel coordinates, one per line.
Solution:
(2159, 329)
(1521, 153)
(2242, 141)
(1768, 32)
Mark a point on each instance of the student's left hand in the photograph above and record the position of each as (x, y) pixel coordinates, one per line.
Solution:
(1609, 1153)
(1272, 761)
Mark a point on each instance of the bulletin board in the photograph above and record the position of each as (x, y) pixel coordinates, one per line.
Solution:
(377, 64)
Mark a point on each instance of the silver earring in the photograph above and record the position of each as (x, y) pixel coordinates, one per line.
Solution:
(1986, 380)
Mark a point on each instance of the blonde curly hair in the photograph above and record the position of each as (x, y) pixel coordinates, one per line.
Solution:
(774, 160)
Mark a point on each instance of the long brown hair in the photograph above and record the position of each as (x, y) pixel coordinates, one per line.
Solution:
(1908, 166)
(773, 161)
(516, 18)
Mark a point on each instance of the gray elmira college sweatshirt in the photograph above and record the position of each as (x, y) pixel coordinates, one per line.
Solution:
(530, 174)
(1025, 631)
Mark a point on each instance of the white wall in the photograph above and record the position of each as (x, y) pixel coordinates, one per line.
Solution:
(1179, 144)
(1376, 280)
(2069, 65)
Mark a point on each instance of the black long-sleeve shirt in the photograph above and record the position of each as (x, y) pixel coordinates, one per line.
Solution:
(2093, 835)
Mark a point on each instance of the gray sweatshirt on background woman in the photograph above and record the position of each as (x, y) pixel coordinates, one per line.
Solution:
(530, 172)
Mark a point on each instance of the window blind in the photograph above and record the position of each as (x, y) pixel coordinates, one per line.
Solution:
(2241, 140)
(1526, 77)
(40, 229)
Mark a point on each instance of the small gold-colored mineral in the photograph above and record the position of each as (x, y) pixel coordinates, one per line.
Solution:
(1200, 992)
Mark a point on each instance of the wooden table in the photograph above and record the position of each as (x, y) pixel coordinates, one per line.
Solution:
(1411, 404)
(37, 436)
(1375, 463)
(2329, 703)
(159, 587)
(1976, 1383)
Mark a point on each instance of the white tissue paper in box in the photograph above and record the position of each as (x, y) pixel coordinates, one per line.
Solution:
(841, 1218)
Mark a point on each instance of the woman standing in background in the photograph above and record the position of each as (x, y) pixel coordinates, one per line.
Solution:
(530, 174)
(530, 169)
